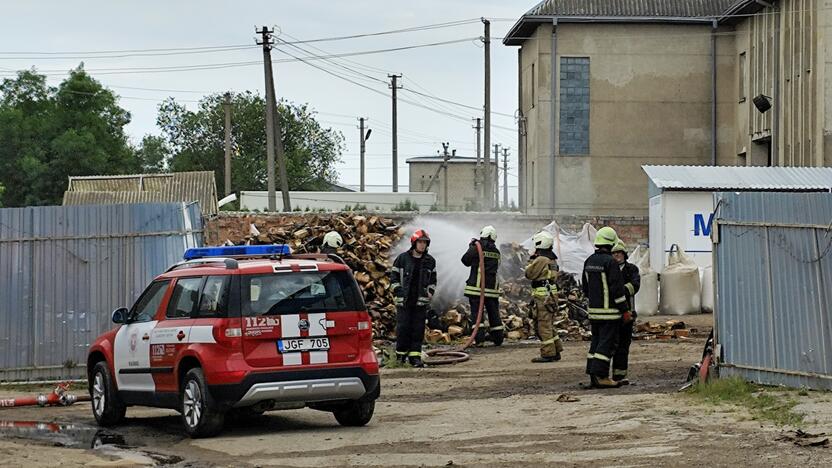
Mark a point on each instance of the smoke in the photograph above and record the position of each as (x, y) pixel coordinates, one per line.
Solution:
(448, 242)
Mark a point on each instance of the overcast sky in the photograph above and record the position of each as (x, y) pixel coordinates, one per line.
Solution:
(452, 71)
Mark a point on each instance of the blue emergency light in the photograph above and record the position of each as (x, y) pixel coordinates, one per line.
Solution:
(238, 251)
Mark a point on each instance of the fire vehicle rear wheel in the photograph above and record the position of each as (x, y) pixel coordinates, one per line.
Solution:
(106, 405)
(355, 413)
(201, 415)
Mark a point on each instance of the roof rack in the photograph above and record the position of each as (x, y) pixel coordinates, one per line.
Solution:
(230, 263)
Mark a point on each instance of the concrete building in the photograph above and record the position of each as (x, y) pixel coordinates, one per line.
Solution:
(668, 82)
(427, 174)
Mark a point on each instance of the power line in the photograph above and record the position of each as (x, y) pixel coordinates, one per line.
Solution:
(221, 65)
(393, 31)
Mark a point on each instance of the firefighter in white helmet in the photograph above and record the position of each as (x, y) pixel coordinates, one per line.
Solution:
(332, 242)
(486, 285)
(542, 270)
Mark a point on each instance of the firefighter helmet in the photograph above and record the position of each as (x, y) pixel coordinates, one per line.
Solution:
(488, 232)
(543, 240)
(620, 247)
(606, 236)
(333, 239)
(419, 234)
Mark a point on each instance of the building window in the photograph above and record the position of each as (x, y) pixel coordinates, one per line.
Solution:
(533, 87)
(742, 80)
(574, 106)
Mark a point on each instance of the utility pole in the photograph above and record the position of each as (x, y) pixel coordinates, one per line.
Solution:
(445, 173)
(489, 199)
(395, 86)
(477, 167)
(495, 195)
(274, 140)
(505, 178)
(227, 107)
(361, 129)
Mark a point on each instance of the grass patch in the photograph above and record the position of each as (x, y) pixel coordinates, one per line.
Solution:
(762, 403)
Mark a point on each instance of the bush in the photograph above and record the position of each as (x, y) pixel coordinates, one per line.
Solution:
(406, 205)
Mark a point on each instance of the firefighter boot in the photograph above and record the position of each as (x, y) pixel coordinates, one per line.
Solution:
(540, 359)
(416, 361)
(606, 382)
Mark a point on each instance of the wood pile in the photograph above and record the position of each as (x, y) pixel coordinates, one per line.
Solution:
(366, 249)
(671, 329)
(368, 240)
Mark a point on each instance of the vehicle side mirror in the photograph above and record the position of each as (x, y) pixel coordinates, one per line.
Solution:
(120, 315)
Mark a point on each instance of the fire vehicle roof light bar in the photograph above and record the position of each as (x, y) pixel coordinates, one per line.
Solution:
(238, 251)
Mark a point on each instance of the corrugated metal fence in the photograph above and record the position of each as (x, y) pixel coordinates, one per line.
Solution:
(773, 274)
(63, 269)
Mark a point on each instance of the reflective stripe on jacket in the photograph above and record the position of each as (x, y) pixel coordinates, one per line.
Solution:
(491, 257)
(603, 285)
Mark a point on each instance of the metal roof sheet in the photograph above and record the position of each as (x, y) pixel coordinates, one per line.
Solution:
(740, 178)
(185, 187)
(632, 8)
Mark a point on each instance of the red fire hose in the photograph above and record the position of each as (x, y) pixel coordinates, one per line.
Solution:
(454, 356)
(58, 397)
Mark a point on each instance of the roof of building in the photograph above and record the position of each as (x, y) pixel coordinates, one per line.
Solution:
(144, 188)
(710, 178)
(631, 8)
(439, 159)
(684, 11)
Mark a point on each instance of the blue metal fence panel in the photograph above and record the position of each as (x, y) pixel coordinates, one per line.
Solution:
(64, 269)
(773, 270)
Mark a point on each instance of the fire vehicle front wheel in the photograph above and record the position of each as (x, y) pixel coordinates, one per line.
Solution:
(106, 405)
(200, 413)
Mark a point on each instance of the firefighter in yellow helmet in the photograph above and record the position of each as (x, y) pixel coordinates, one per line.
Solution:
(603, 286)
(542, 270)
(632, 282)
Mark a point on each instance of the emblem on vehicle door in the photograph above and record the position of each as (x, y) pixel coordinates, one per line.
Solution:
(134, 339)
(303, 324)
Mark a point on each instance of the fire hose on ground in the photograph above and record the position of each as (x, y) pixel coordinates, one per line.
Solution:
(60, 396)
(440, 357)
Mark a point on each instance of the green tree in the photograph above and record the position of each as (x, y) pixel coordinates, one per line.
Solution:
(197, 142)
(50, 133)
(153, 154)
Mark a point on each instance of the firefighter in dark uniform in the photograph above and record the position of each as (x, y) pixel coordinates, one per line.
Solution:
(632, 282)
(488, 286)
(413, 280)
(603, 285)
(542, 270)
(332, 242)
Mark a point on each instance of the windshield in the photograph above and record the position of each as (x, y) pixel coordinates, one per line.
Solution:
(291, 293)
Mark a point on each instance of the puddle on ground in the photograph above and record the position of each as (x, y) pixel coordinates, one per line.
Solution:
(82, 436)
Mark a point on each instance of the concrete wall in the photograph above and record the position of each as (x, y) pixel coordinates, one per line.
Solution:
(650, 94)
(461, 176)
(337, 201)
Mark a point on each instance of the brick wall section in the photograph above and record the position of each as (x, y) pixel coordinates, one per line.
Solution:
(510, 227)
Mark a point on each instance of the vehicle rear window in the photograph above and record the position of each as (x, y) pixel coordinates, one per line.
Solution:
(291, 293)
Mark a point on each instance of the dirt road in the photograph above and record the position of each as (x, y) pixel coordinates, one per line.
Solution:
(496, 410)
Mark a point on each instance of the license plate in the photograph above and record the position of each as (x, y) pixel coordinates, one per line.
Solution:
(303, 344)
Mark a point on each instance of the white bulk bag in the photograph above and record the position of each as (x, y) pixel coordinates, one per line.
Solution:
(707, 290)
(647, 298)
(680, 285)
